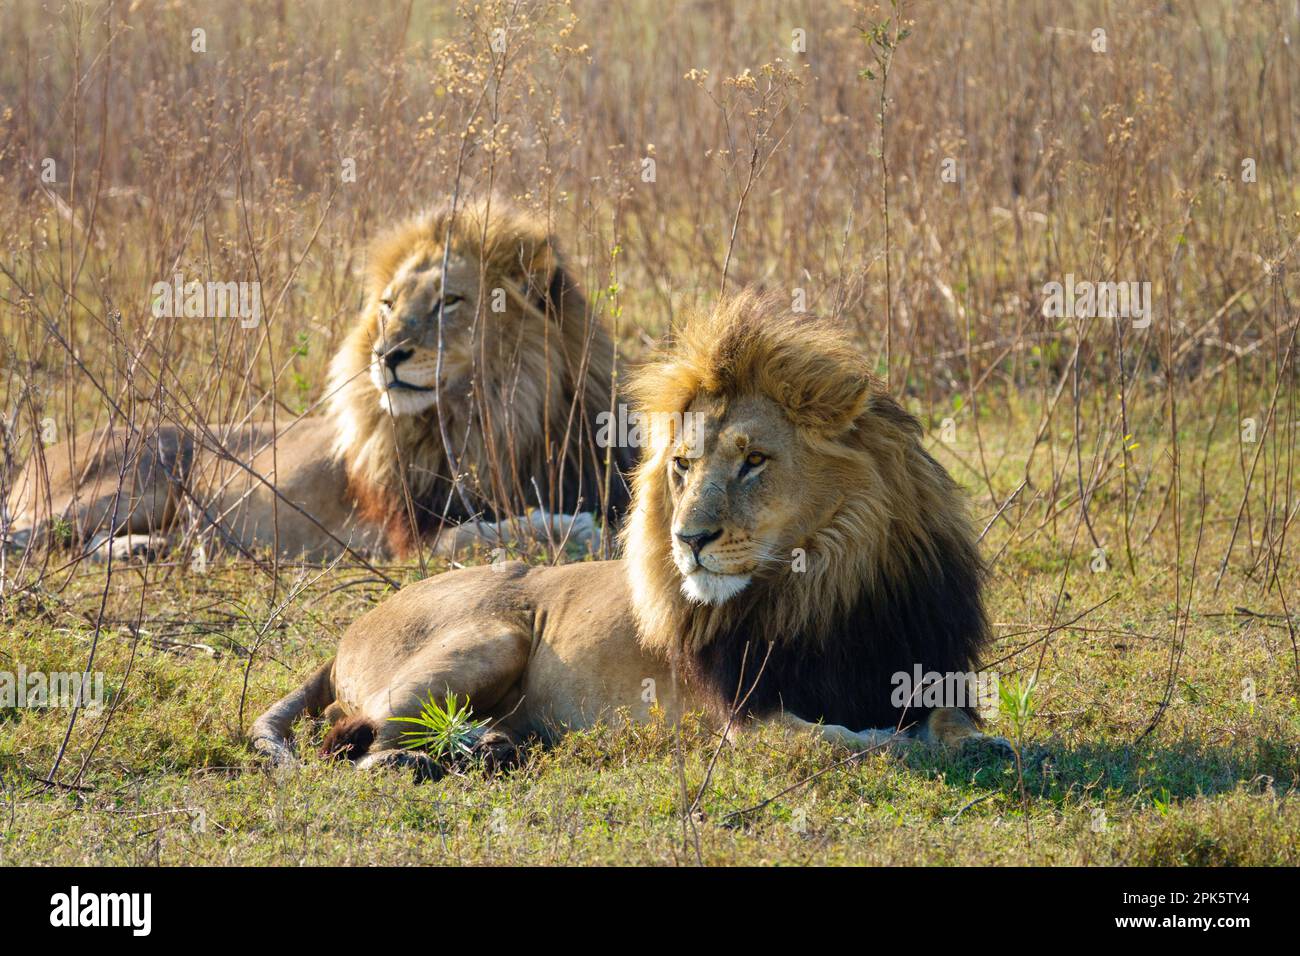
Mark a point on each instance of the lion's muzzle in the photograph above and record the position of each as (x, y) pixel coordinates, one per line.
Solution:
(405, 379)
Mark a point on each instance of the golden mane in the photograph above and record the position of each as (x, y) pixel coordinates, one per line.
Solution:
(897, 559)
(525, 428)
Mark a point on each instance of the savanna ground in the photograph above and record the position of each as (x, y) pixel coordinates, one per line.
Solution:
(917, 172)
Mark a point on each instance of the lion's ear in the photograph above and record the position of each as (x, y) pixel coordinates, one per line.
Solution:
(558, 289)
(559, 292)
(827, 393)
(834, 406)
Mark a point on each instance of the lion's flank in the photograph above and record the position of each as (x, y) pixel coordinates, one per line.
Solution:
(892, 578)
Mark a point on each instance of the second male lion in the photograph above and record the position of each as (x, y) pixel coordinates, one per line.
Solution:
(793, 555)
(514, 391)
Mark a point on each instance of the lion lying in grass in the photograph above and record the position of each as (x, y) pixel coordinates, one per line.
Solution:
(789, 553)
(524, 370)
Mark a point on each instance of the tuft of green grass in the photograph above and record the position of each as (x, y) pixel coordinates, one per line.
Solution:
(1017, 698)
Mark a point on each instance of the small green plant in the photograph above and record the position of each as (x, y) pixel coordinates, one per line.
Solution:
(61, 531)
(447, 730)
(1162, 802)
(1017, 699)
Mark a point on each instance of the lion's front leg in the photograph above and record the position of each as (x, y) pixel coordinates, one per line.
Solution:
(945, 726)
(125, 548)
(951, 727)
(536, 527)
(842, 737)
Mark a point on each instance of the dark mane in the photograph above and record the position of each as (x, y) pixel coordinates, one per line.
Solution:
(933, 617)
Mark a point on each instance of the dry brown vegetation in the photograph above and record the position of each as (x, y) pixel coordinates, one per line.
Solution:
(681, 149)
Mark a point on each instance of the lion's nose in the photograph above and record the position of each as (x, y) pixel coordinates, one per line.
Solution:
(696, 540)
(396, 357)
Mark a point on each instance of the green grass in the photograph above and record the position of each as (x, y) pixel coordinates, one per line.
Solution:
(172, 782)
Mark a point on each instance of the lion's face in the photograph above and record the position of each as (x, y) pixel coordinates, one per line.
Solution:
(524, 367)
(739, 488)
(404, 356)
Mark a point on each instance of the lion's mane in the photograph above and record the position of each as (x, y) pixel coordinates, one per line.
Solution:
(524, 436)
(893, 577)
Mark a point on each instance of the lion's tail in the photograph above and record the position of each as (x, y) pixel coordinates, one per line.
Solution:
(271, 734)
(350, 737)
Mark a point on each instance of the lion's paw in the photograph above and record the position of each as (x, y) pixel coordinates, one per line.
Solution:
(494, 749)
(422, 766)
(127, 547)
(998, 747)
(877, 739)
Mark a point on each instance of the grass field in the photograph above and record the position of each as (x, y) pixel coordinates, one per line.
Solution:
(920, 179)
(163, 775)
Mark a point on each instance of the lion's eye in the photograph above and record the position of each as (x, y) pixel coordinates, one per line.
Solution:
(386, 304)
(754, 459)
(444, 304)
(681, 464)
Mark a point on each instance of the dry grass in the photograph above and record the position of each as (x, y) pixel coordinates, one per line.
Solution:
(1171, 448)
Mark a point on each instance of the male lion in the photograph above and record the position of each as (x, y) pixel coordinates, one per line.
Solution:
(792, 556)
(522, 372)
